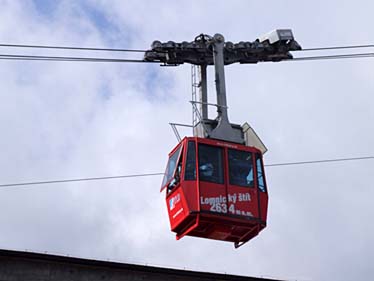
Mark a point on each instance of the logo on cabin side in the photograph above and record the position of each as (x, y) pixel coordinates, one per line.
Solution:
(173, 201)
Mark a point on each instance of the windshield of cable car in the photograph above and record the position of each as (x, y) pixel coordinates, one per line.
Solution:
(240, 168)
(170, 167)
(211, 163)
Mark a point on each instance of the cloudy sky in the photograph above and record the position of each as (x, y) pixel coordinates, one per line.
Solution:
(61, 120)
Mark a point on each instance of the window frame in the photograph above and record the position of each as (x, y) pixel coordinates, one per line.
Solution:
(258, 158)
(194, 162)
(180, 148)
(221, 162)
(252, 155)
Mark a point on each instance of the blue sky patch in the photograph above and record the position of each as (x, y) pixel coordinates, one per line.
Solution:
(46, 7)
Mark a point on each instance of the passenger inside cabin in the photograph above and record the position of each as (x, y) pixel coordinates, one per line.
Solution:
(240, 168)
(211, 164)
(206, 171)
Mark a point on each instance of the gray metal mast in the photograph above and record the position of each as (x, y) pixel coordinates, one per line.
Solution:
(223, 130)
(203, 91)
(206, 50)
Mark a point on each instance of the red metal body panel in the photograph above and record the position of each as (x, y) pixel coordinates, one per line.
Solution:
(213, 210)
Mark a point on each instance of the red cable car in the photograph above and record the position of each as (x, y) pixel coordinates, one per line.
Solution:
(216, 190)
(215, 181)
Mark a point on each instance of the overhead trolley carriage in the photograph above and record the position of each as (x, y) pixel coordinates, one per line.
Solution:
(215, 182)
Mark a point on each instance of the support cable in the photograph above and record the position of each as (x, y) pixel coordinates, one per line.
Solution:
(335, 48)
(71, 48)
(143, 51)
(330, 57)
(320, 161)
(160, 174)
(100, 59)
(69, 59)
(80, 179)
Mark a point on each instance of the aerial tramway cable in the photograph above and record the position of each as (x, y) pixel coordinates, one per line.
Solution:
(160, 174)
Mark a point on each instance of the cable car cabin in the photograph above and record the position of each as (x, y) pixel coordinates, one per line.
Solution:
(216, 190)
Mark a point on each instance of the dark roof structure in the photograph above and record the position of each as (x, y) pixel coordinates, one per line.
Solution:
(21, 266)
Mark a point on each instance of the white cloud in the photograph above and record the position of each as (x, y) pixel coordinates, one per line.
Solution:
(70, 120)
